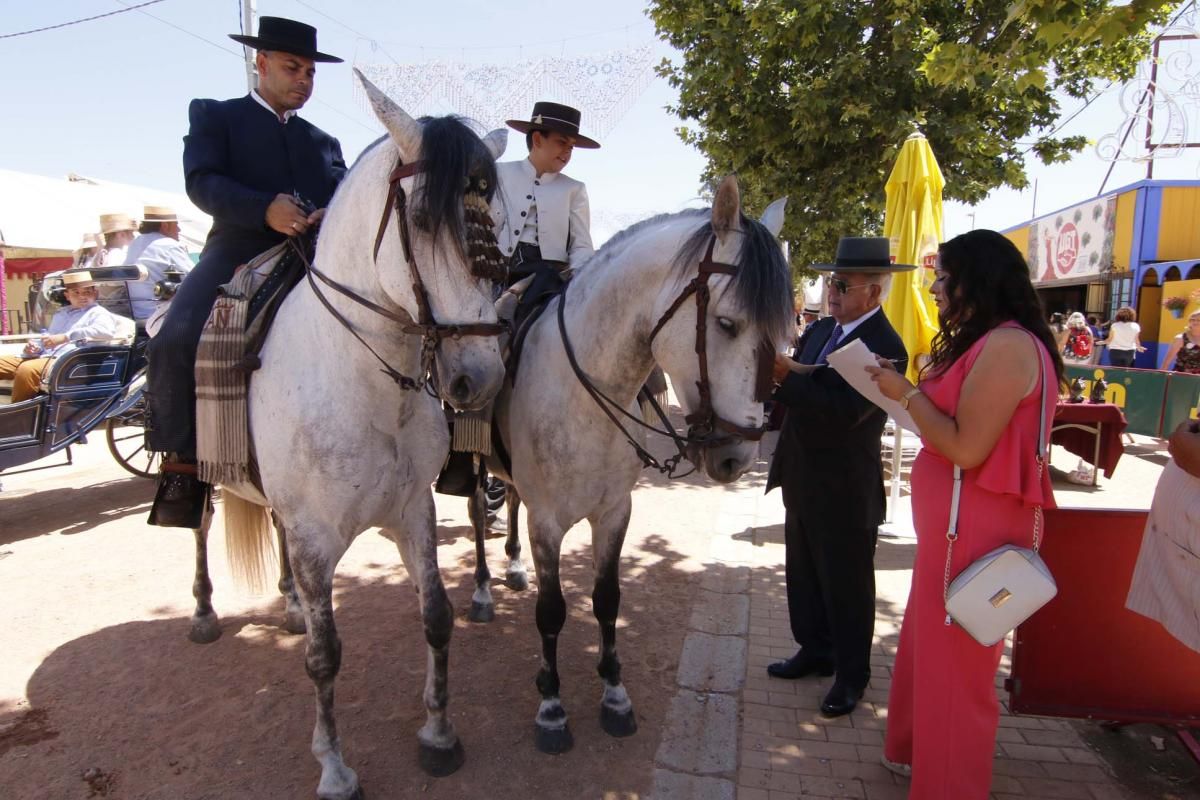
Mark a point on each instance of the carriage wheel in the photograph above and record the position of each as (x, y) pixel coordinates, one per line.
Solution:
(127, 443)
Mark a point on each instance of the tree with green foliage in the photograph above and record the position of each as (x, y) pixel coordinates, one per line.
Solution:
(813, 98)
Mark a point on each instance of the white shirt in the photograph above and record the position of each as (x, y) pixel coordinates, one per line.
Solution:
(1123, 335)
(109, 257)
(157, 253)
(563, 220)
(93, 322)
(849, 327)
(291, 112)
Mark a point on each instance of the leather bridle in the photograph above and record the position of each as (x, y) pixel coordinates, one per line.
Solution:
(431, 332)
(704, 422)
(705, 427)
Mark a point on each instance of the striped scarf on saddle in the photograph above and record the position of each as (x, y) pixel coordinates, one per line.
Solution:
(222, 427)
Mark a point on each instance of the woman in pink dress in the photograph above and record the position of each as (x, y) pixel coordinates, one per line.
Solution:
(977, 406)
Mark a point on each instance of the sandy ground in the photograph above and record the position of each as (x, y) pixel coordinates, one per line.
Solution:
(102, 695)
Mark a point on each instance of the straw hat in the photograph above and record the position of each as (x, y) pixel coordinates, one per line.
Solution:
(78, 278)
(111, 223)
(89, 241)
(159, 214)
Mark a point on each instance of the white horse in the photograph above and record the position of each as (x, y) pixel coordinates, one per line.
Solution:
(629, 307)
(344, 444)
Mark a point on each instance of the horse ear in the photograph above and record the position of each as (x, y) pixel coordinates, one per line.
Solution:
(496, 142)
(772, 218)
(404, 130)
(727, 208)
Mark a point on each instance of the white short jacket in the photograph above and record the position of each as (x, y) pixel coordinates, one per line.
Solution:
(563, 216)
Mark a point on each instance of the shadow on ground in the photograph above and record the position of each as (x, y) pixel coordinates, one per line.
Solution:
(137, 711)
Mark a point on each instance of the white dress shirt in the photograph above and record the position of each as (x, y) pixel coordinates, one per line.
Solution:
(563, 219)
(157, 253)
(93, 322)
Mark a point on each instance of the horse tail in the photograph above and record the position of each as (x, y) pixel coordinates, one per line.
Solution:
(248, 541)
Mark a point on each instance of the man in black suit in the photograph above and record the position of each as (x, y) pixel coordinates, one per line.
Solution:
(263, 174)
(828, 463)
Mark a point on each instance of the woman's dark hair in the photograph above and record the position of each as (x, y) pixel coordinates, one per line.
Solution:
(1126, 314)
(987, 283)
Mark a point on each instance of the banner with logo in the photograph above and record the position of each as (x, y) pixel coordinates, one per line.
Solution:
(1154, 401)
(1073, 243)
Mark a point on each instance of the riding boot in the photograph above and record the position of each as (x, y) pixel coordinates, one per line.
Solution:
(182, 498)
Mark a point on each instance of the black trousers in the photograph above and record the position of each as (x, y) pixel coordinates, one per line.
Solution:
(1121, 358)
(830, 572)
(171, 368)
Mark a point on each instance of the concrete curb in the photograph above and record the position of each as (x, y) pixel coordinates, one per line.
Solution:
(697, 758)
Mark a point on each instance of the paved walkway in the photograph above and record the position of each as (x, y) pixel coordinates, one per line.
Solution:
(785, 747)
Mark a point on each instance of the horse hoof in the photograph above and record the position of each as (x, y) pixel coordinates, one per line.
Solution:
(357, 794)
(441, 761)
(517, 581)
(481, 613)
(554, 741)
(205, 629)
(295, 624)
(616, 723)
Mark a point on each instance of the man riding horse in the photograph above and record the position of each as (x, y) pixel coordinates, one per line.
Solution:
(264, 174)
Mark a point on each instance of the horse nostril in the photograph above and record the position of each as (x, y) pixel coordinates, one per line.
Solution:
(460, 389)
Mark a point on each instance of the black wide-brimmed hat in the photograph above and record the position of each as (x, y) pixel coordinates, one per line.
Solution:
(286, 36)
(555, 117)
(863, 254)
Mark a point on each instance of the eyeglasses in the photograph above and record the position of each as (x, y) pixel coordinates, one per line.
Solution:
(841, 285)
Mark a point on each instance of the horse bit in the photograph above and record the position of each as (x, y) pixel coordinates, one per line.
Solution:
(431, 332)
(703, 423)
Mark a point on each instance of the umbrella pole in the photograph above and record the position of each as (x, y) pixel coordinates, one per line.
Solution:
(897, 459)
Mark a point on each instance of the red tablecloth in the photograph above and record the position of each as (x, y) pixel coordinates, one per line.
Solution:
(1083, 443)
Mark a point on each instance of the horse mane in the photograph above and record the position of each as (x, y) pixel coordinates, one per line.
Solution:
(763, 285)
(456, 160)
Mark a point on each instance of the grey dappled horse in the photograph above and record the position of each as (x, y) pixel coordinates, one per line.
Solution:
(627, 309)
(344, 444)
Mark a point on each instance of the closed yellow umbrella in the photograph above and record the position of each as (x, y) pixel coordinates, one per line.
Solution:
(913, 223)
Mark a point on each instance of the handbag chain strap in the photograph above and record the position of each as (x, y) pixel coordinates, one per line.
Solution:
(952, 528)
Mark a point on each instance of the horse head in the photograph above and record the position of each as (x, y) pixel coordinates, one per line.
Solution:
(439, 259)
(717, 368)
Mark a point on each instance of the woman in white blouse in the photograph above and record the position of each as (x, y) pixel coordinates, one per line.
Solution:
(1124, 338)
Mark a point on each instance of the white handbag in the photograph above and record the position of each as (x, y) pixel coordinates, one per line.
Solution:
(1004, 588)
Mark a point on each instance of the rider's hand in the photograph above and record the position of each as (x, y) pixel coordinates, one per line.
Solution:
(286, 216)
(55, 339)
(32, 348)
(315, 217)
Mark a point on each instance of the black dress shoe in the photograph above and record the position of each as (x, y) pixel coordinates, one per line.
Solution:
(179, 502)
(800, 665)
(841, 700)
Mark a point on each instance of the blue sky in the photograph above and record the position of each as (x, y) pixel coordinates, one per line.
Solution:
(109, 98)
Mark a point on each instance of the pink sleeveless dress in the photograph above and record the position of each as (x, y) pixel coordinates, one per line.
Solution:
(942, 708)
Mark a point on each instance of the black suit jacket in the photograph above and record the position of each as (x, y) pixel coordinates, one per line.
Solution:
(828, 456)
(237, 157)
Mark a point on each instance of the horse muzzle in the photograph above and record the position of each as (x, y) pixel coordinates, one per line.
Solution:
(469, 376)
(726, 463)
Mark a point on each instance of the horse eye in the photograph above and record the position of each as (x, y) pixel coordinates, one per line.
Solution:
(727, 326)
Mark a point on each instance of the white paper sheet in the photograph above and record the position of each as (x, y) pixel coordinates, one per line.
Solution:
(849, 360)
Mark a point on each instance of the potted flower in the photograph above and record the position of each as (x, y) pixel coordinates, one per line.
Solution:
(1175, 304)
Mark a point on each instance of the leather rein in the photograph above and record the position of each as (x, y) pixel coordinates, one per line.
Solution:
(431, 332)
(705, 427)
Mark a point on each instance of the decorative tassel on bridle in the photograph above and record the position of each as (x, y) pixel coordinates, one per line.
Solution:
(482, 248)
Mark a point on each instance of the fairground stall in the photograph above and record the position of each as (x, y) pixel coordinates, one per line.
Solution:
(1130, 247)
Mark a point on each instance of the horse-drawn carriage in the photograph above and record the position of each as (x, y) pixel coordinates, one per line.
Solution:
(97, 384)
